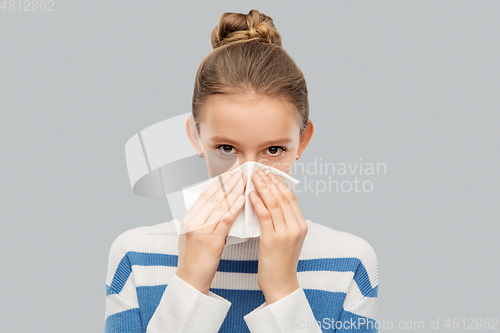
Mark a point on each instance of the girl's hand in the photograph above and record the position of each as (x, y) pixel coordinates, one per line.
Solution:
(207, 225)
(283, 229)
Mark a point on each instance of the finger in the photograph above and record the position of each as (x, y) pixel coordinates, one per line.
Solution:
(205, 195)
(265, 220)
(276, 186)
(226, 221)
(292, 201)
(197, 219)
(222, 208)
(271, 203)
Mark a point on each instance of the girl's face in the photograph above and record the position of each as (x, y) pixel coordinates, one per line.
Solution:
(254, 128)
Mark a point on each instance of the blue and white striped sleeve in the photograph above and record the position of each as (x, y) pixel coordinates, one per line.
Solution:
(122, 306)
(360, 304)
(281, 315)
(182, 308)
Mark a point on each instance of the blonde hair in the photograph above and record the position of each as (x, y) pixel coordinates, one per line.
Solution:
(248, 57)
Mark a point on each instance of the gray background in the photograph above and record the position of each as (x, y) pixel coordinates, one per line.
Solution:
(412, 84)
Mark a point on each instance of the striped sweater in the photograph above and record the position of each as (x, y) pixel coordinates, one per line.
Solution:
(337, 274)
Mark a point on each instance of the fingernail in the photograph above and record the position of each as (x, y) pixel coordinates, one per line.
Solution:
(260, 171)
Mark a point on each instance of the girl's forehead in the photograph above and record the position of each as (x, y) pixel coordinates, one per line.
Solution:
(256, 113)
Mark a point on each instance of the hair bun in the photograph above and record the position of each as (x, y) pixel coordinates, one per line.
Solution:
(235, 27)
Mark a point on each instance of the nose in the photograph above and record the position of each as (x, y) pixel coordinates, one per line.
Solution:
(218, 166)
(244, 159)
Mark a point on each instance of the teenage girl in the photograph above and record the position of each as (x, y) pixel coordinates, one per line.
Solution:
(250, 100)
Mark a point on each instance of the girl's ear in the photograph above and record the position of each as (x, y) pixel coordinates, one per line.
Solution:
(192, 134)
(306, 136)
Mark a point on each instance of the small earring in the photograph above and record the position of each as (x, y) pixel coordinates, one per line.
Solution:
(297, 157)
(200, 154)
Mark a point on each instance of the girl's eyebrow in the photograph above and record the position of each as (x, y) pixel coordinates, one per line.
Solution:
(219, 138)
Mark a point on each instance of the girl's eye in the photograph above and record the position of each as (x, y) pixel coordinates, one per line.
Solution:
(273, 151)
(226, 149)
(276, 151)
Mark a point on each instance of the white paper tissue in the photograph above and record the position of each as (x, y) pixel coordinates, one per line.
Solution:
(246, 224)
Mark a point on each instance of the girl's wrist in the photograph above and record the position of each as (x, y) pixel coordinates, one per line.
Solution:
(200, 286)
(276, 294)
